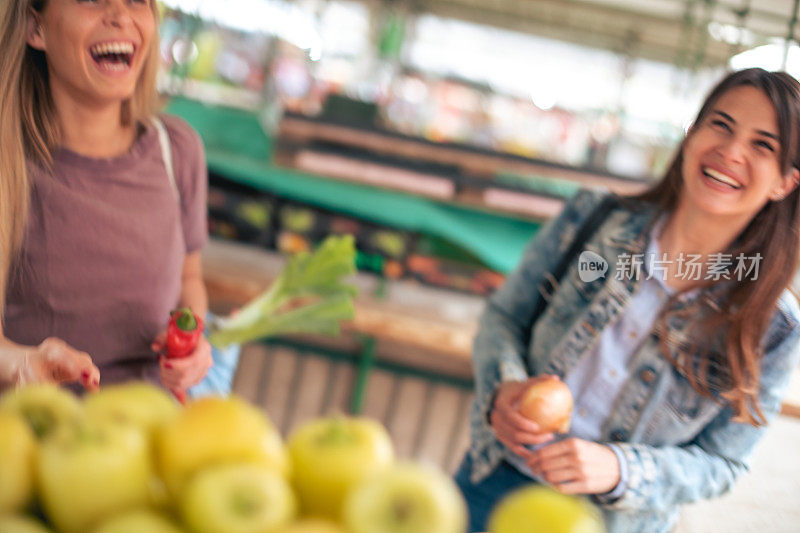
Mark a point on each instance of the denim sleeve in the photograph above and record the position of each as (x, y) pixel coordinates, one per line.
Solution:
(662, 477)
(499, 348)
(622, 486)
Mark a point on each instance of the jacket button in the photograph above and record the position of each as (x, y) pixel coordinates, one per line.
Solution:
(648, 375)
(619, 435)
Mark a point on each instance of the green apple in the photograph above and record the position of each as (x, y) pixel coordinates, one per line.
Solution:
(138, 403)
(91, 472)
(544, 510)
(237, 498)
(46, 407)
(138, 521)
(330, 456)
(17, 462)
(21, 524)
(406, 498)
(313, 525)
(214, 430)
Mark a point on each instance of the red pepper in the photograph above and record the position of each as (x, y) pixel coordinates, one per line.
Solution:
(183, 332)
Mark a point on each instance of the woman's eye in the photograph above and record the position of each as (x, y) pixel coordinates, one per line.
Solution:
(765, 145)
(720, 125)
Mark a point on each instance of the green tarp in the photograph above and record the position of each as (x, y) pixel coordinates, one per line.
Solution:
(237, 148)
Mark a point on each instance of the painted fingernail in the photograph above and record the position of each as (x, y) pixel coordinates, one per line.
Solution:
(168, 366)
(85, 375)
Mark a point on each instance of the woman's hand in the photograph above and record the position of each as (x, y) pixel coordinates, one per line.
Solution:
(178, 374)
(511, 428)
(53, 361)
(576, 466)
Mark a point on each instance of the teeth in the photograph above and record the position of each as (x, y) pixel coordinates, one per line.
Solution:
(719, 176)
(119, 47)
(115, 67)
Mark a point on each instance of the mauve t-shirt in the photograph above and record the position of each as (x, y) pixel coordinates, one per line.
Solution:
(100, 266)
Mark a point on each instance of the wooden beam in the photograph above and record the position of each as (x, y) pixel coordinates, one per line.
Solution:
(657, 37)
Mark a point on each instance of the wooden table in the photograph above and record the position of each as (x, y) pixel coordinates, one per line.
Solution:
(422, 325)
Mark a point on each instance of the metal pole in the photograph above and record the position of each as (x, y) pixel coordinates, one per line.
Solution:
(702, 44)
(741, 15)
(365, 365)
(687, 32)
(790, 35)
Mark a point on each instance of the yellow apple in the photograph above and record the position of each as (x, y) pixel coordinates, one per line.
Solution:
(21, 524)
(544, 510)
(138, 521)
(237, 498)
(406, 498)
(216, 430)
(92, 471)
(46, 407)
(17, 461)
(138, 403)
(313, 525)
(331, 456)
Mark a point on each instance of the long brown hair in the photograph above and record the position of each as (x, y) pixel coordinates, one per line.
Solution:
(727, 339)
(29, 129)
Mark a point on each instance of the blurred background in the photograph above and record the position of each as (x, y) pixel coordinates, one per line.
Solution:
(442, 133)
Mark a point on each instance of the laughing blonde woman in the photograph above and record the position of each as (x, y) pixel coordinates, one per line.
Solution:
(102, 206)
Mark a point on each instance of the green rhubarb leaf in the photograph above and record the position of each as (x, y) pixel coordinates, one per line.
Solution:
(309, 296)
(323, 317)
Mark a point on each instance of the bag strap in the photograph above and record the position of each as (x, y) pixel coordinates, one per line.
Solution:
(585, 232)
(166, 154)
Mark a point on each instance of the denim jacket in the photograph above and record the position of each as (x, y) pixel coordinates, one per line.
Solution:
(679, 446)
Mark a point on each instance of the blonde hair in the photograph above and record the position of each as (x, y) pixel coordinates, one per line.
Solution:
(29, 129)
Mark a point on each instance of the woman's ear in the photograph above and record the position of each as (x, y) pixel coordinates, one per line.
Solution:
(789, 183)
(34, 35)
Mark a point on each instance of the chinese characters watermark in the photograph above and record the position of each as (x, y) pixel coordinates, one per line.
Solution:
(688, 267)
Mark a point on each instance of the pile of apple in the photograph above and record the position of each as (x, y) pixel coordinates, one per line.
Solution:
(129, 459)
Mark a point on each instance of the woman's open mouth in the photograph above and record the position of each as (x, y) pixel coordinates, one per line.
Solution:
(113, 56)
(720, 178)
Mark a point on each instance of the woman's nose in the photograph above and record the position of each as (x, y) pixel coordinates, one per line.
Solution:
(116, 13)
(733, 149)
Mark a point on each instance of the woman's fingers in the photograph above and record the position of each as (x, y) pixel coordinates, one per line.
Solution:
(182, 373)
(511, 428)
(576, 466)
(521, 423)
(562, 475)
(520, 433)
(506, 436)
(57, 361)
(159, 344)
(556, 463)
(90, 378)
(506, 406)
(170, 374)
(180, 395)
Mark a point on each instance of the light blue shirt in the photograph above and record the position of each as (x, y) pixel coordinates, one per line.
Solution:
(598, 377)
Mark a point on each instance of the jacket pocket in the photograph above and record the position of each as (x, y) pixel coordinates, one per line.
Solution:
(682, 414)
(688, 406)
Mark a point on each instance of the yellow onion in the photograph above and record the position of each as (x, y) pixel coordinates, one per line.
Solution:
(548, 403)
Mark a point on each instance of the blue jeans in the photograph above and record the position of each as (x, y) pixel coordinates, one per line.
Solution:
(482, 497)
